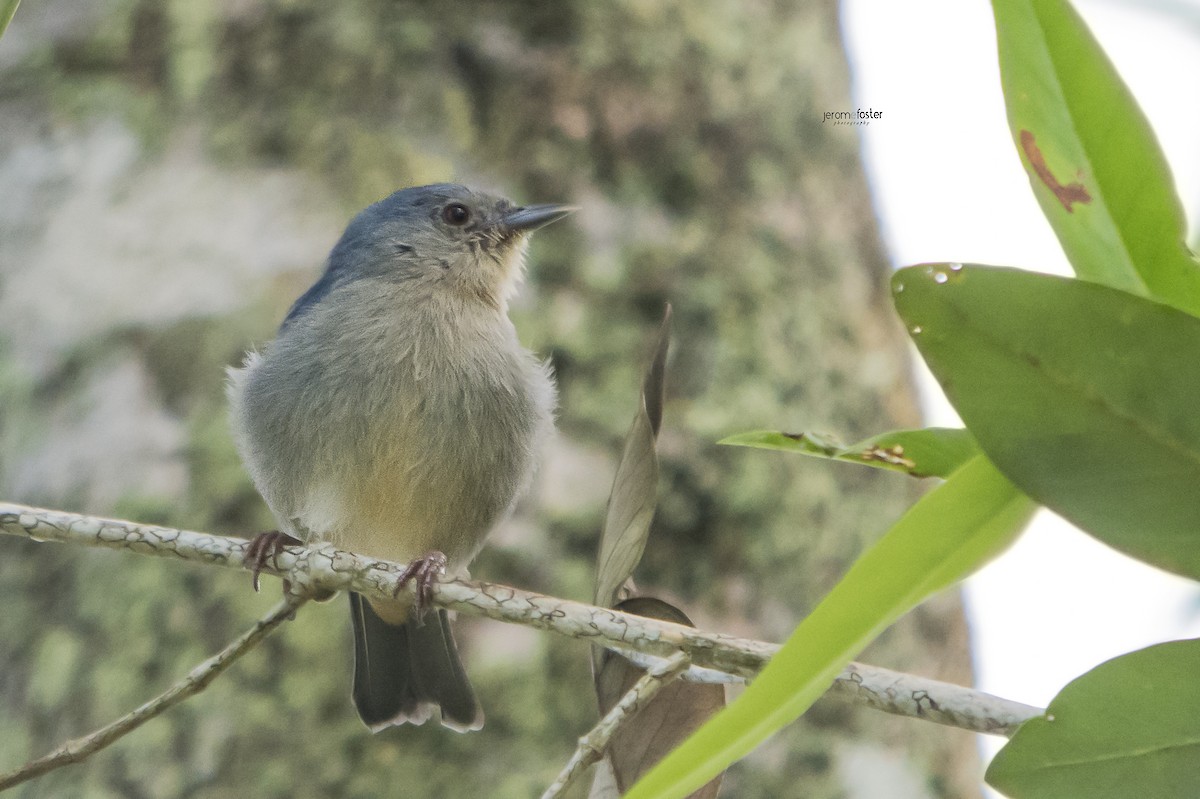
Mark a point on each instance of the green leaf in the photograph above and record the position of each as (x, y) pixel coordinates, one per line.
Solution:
(931, 452)
(1082, 395)
(635, 487)
(7, 9)
(948, 534)
(1092, 158)
(1129, 727)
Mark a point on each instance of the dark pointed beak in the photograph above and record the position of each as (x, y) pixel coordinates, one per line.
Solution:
(532, 217)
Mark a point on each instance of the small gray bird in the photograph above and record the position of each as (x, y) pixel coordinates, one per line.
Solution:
(397, 416)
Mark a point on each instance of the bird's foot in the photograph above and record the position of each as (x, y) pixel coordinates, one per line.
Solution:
(424, 570)
(267, 546)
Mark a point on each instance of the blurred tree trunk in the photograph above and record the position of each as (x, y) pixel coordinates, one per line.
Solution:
(173, 176)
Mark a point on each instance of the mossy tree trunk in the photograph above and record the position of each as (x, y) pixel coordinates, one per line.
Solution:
(174, 174)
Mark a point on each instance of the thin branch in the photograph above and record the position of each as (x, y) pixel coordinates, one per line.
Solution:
(945, 703)
(317, 569)
(195, 682)
(592, 746)
(321, 569)
(894, 692)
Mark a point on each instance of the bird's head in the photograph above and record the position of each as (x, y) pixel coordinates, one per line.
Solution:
(440, 240)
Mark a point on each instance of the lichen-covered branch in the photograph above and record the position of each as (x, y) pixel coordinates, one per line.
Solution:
(320, 569)
(195, 682)
(897, 693)
(921, 698)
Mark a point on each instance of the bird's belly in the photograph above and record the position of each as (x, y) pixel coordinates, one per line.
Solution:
(406, 490)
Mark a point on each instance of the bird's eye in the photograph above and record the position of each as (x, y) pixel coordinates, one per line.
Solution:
(456, 214)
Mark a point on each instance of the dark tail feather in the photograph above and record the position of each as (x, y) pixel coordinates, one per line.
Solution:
(402, 673)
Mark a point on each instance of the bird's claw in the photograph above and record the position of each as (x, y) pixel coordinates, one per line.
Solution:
(424, 570)
(266, 547)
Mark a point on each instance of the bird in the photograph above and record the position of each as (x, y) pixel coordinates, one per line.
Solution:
(396, 415)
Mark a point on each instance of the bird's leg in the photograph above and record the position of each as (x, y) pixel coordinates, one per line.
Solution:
(425, 570)
(267, 546)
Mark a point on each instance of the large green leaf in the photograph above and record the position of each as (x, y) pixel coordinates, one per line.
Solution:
(1084, 396)
(948, 534)
(931, 452)
(1092, 158)
(1129, 727)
